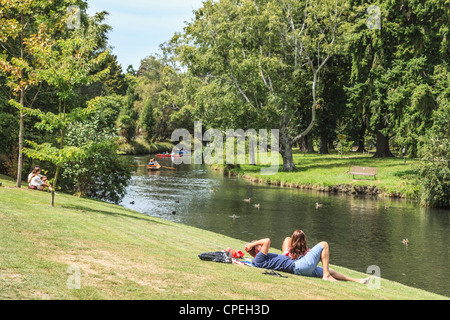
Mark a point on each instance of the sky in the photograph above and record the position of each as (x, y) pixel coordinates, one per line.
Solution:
(140, 26)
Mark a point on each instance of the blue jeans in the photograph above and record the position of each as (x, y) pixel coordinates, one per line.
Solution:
(307, 265)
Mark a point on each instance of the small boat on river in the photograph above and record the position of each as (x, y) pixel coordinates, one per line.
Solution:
(167, 155)
(153, 167)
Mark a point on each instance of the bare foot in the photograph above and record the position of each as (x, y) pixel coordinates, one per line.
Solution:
(329, 278)
(364, 281)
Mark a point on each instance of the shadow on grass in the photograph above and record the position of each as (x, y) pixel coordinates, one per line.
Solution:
(111, 213)
(403, 173)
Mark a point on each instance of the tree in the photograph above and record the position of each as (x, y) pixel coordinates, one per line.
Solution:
(259, 47)
(147, 120)
(332, 101)
(434, 149)
(20, 21)
(114, 82)
(434, 169)
(8, 137)
(64, 64)
(392, 68)
(127, 121)
(102, 173)
(162, 85)
(127, 127)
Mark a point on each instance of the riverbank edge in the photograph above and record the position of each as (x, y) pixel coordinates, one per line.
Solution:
(101, 236)
(345, 188)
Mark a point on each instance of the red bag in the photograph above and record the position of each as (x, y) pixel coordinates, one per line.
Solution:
(235, 254)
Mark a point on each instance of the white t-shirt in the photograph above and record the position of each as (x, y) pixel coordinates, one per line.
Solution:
(36, 181)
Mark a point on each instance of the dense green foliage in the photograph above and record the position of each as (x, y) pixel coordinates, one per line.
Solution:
(102, 173)
(267, 53)
(393, 69)
(328, 74)
(435, 167)
(49, 83)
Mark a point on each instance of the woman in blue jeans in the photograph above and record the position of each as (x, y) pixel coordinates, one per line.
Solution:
(259, 249)
(306, 260)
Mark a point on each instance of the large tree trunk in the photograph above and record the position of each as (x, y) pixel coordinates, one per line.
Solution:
(382, 146)
(323, 144)
(20, 158)
(306, 143)
(303, 144)
(286, 150)
(288, 160)
(361, 139)
(21, 101)
(310, 143)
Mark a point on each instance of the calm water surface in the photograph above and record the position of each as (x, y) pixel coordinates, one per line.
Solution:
(360, 231)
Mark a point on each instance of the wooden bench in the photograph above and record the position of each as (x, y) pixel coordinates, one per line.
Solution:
(363, 171)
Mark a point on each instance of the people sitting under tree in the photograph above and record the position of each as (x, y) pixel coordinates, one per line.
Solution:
(38, 181)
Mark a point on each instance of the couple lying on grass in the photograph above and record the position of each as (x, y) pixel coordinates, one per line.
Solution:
(297, 258)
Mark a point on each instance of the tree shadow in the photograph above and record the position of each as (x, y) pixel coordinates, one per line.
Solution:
(403, 173)
(328, 162)
(88, 210)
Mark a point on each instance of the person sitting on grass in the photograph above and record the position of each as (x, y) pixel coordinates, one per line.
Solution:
(307, 259)
(38, 181)
(300, 264)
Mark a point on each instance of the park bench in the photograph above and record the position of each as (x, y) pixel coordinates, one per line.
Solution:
(363, 171)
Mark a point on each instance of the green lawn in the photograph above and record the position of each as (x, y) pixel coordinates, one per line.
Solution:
(122, 254)
(321, 171)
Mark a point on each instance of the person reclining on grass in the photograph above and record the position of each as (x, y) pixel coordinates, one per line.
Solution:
(305, 265)
(296, 248)
(38, 181)
(259, 249)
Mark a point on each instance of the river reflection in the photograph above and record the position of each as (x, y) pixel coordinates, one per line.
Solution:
(360, 230)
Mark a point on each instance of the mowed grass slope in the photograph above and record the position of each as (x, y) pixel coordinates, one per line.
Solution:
(122, 254)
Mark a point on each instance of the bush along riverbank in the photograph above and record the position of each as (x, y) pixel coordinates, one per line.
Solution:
(92, 250)
(330, 173)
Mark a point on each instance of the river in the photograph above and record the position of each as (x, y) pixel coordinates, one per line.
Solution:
(360, 230)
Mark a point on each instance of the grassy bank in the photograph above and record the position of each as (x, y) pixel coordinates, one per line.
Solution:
(122, 254)
(329, 173)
